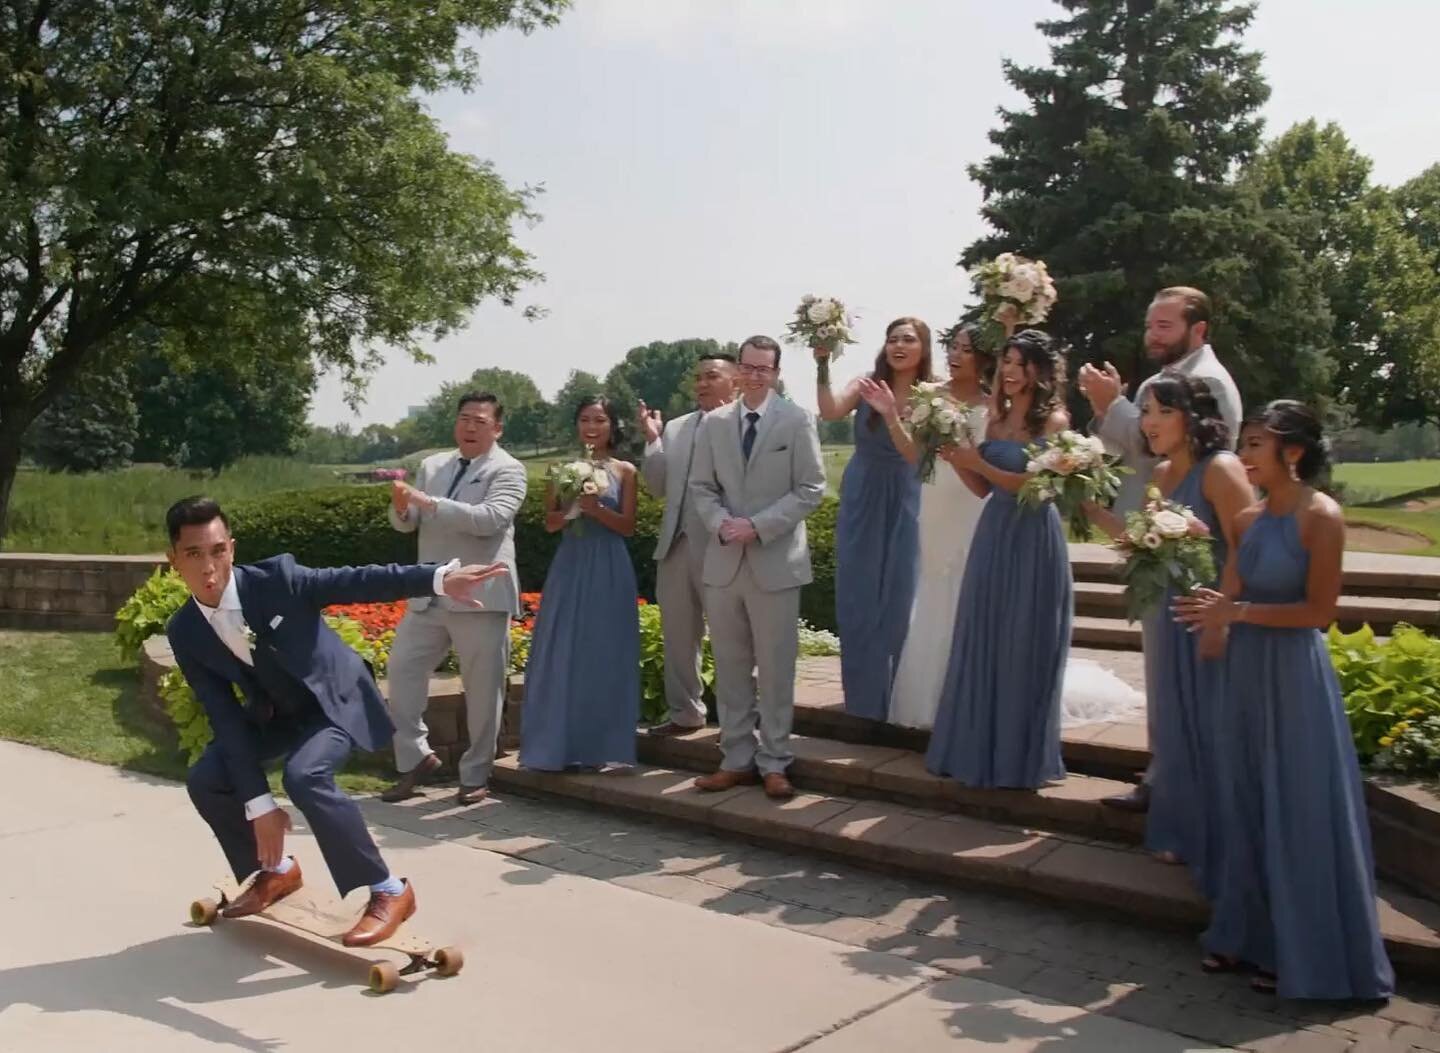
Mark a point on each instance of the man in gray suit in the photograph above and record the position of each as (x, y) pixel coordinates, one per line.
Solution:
(464, 506)
(757, 475)
(680, 548)
(1177, 332)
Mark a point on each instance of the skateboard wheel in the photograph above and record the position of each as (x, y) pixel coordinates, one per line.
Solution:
(384, 977)
(449, 961)
(204, 912)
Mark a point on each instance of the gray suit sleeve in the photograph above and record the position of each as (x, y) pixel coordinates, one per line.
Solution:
(706, 496)
(1120, 428)
(410, 521)
(1231, 410)
(492, 515)
(807, 488)
(652, 465)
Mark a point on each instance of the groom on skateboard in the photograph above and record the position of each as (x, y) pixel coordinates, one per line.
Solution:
(277, 682)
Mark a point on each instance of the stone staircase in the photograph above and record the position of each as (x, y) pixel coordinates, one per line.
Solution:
(867, 798)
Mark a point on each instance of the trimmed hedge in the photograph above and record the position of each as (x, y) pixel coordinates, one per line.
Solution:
(345, 525)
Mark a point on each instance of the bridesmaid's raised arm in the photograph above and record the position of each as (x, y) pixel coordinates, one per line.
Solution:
(829, 406)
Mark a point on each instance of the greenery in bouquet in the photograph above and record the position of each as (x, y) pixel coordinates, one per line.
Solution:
(823, 322)
(936, 420)
(1070, 470)
(1164, 547)
(576, 479)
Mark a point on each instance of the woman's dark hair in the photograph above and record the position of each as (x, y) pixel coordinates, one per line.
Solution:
(1296, 424)
(1205, 427)
(926, 370)
(617, 429)
(1039, 349)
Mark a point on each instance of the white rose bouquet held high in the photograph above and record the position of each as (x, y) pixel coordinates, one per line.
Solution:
(576, 479)
(1165, 546)
(1012, 289)
(936, 420)
(1068, 471)
(823, 322)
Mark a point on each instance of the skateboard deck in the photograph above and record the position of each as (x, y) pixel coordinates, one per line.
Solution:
(328, 919)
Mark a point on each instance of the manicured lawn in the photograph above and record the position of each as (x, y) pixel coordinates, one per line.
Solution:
(1382, 480)
(1425, 523)
(69, 692)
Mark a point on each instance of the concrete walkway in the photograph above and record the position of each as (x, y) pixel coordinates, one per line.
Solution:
(100, 867)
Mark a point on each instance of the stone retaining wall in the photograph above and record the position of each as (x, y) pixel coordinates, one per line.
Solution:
(40, 591)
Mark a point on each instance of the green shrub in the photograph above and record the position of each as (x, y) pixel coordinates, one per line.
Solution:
(1386, 684)
(348, 525)
(652, 667)
(147, 610)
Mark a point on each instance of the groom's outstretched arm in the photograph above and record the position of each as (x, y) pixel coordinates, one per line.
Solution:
(324, 586)
(807, 487)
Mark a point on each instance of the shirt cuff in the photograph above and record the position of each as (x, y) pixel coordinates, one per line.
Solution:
(440, 573)
(258, 806)
(652, 448)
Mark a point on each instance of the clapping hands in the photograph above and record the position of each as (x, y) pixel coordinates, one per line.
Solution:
(1101, 386)
(652, 425)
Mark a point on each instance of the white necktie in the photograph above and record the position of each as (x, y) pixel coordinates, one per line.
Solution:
(229, 625)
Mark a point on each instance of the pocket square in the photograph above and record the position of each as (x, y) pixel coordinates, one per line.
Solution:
(275, 621)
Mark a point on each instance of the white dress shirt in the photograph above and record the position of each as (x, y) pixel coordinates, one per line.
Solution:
(229, 624)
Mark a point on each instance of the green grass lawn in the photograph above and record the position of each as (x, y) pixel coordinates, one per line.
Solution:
(69, 692)
(1382, 480)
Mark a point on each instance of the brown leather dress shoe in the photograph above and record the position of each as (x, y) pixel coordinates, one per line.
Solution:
(670, 729)
(725, 779)
(383, 915)
(267, 889)
(778, 787)
(421, 773)
(471, 794)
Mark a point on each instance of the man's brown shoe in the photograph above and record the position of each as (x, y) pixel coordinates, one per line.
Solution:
(670, 729)
(778, 787)
(421, 773)
(267, 889)
(471, 794)
(383, 915)
(724, 779)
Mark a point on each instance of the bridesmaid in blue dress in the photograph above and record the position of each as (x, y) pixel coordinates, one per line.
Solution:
(1296, 890)
(1182, 425)
(582, 683)
(877, 529)
(999, 718)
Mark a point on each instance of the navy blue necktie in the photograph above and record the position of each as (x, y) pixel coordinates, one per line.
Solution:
(748, 442)
(459, 474)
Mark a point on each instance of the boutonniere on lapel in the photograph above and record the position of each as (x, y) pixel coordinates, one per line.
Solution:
(249, 635)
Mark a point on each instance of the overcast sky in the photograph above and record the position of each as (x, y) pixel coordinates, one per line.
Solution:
(707, 163)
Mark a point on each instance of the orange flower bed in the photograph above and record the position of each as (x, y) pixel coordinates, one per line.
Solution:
(374, 619)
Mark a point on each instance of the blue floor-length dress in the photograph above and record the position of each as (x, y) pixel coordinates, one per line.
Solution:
(1184, 696)
(999, 718)
(1296, 892)
(582, 683)
(877, 557)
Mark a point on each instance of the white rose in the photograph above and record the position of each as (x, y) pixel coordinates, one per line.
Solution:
(1018, 288)
(601, 479)
(1170, 524)
(937, 402)
(1151, 540)
(807, 299)
(818, 312)
(826, 331)
(947, 418)
(583, 470)
(1034, 466)
(1096, 444)
(921, 413)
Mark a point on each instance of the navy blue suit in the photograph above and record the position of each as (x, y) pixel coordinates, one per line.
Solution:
(308, 698)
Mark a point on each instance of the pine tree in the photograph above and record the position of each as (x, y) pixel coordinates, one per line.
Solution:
(1120, 175)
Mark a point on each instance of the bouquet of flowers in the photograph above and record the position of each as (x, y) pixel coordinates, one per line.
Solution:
(1164, 546)
(820, 321)
(576, 479)
(936, 420)
(1013, 288)
(1070, 470)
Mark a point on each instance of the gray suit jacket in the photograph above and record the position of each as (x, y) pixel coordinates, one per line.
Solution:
(1120, 427)
(666, 472)
(783, 482)
(477, 525)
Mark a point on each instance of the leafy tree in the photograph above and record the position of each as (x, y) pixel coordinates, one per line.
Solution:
(261, 169)
(528, 425)
(1118, 173)
(1419, 204)
(91, 428)
(435, 423)
(212, 413)
(578, 385)
(1380, 283)
(662, 373)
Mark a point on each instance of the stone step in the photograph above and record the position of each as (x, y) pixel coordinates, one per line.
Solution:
(1111, 632)
(1106, 599)
(947, 847)
(888, 773)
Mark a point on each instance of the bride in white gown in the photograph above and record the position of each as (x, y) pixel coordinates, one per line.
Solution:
(948, 514)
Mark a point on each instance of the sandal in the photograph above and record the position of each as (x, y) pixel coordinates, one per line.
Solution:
(1265, 983)
(1221, 963)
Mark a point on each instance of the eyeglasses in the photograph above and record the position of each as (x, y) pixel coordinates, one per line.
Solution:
(755, 371)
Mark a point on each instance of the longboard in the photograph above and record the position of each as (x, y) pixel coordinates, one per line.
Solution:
(328, 920)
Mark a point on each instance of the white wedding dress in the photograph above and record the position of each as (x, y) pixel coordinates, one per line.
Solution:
(949, 512)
